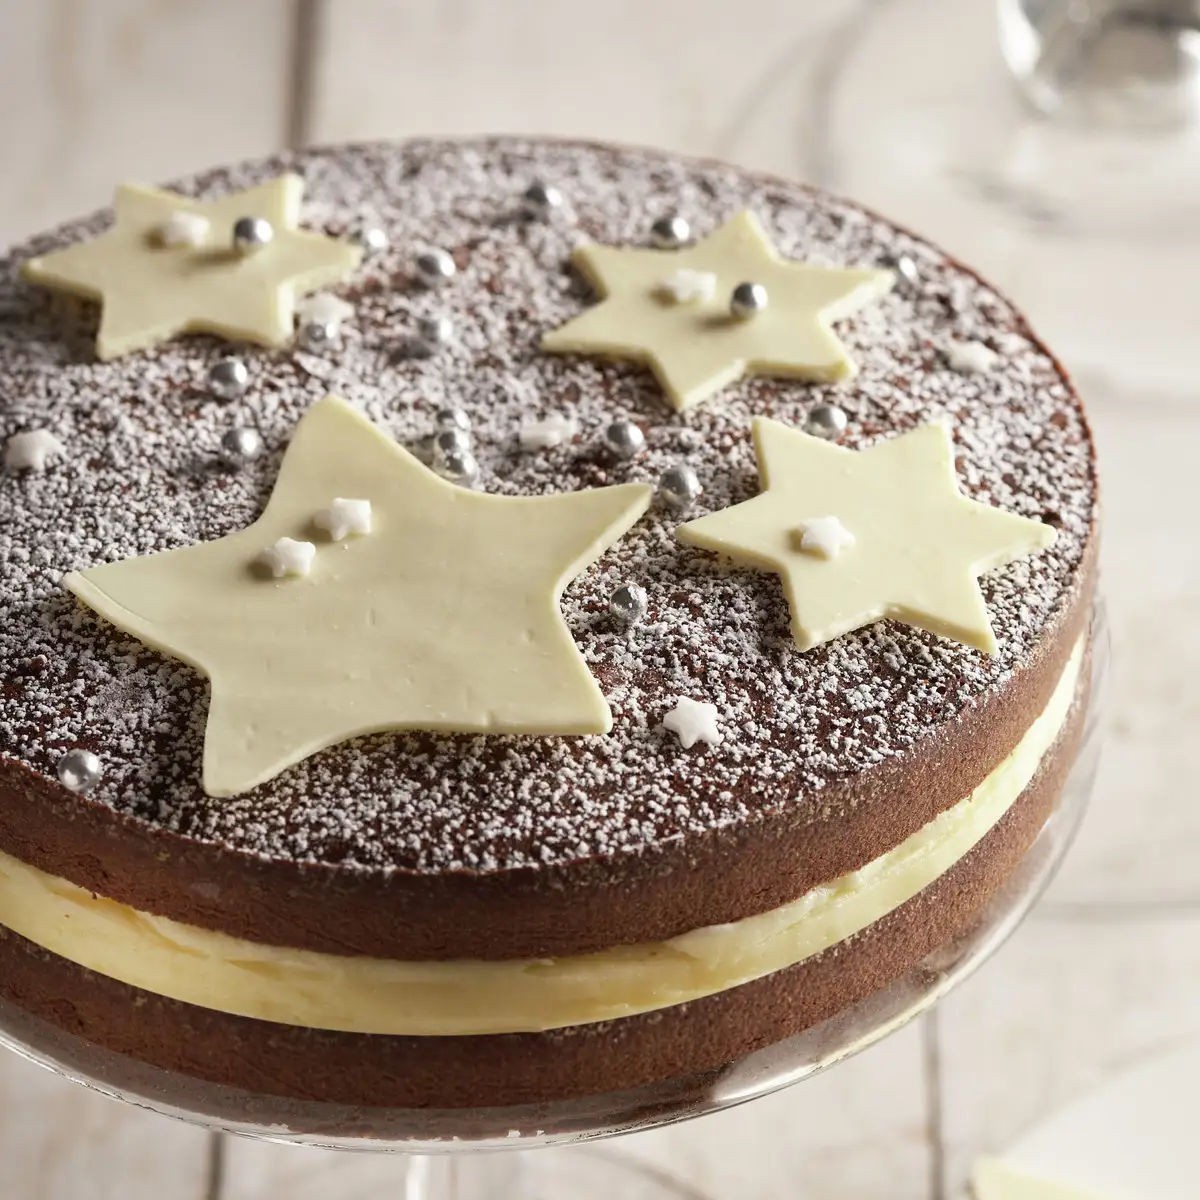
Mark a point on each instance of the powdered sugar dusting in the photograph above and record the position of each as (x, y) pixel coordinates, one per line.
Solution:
(144, 475)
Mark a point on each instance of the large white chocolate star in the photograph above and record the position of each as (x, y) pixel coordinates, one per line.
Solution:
(445, 618)
(919, 545)
(693, 343)
(153, 285)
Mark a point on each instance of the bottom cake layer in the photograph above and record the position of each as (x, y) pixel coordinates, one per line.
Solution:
(513, 1069)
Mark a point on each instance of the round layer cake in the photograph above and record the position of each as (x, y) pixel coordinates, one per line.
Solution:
(712, 839)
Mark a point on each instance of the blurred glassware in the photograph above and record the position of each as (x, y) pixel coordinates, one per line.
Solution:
(1132, 64)
(1085, 219)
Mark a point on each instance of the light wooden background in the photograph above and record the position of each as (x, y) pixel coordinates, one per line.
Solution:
(97, 91)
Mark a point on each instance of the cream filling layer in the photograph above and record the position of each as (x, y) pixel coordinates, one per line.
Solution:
(369, 995)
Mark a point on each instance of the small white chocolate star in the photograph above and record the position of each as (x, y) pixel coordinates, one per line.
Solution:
(970, 358)
(698, 347)
(551, 431)
(688, 287)
(825, 536)
(183, 229)
(446, 618)
(150, 291)
(325, 309)
(344, 517)
(32, 451)
(693, 721)
(919, 543)
(288, 556)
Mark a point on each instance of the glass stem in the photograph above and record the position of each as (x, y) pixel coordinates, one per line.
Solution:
(426, 1177)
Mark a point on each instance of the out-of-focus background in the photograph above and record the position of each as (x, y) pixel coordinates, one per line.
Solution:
(904, 104)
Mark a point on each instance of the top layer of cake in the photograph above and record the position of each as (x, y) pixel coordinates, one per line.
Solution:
(140, 474)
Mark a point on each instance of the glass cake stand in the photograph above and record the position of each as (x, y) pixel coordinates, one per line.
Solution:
(434, 1144)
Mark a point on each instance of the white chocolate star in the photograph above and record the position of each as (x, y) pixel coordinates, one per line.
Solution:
(688, 287)
(825, 536)
(31, 451)
(183, 229)
(920, 544)
(693, 721)
(149, 294)
(971, 358)
(552, 431)
(325, 309)
(288, 557)
(344, 517)
(697, 348)
(446, 618)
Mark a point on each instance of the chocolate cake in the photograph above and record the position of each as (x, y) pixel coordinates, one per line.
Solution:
(451, 913)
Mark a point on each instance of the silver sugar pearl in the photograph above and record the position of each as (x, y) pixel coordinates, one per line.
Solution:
(79, 770)
(452, 418)
(748, 300)
(905, 267)
(433, 333)
(228, 378)
(629, 603)
(318, 336)
(679, 485)
(371, 238)
(251, 234)
(540, 201)
(670, 232)
(624, 439)
(826, 421)
(435, 267)
(447, 443)
(240, 446)
(458, 468)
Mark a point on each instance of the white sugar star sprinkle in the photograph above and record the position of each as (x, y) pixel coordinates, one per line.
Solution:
(552, 431)
(690, 287)
(971, 358)
(288, 557)
(183, 228)
(31, 451)
(825, 536)
(344, 517)
(693, 721)
(323, 309)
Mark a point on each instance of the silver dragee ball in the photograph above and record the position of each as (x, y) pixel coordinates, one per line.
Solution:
(540, 201)
(240, 446)
(228, 378)
(317, 336)
(372, 238)
(460, 468)
(79, 770)
(435, 267)
(447, 443)
(826, 421)
(670, 232)
(251, 234)
(433, 333)
(679, 485)
(905, 267)
(624, 439)
(629, 603)
(748, 300)
(452, 418)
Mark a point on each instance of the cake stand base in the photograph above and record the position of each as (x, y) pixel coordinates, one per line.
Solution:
(580, 1172)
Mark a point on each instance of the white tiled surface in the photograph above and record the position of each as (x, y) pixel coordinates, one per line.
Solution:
(100, 90)
(97, 91)
(1072, 1000)
(60, 1142)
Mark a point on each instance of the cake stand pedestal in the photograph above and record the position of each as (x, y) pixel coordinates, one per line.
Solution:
(435, 1149)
